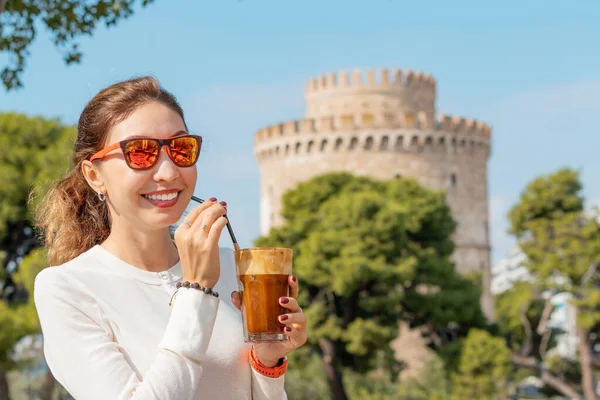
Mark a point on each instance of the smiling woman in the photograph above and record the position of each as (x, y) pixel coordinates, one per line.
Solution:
(104, 306)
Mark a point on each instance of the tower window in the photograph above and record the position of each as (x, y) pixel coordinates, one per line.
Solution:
(453, 180)
(384, 143)
(323, 144)
(399, 143)
(338, 144)
(353, 143)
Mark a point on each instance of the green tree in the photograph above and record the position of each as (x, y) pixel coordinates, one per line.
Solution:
(433, 383)
(523, 314)
(33, 152)
(562, 247)
(484, 367)
(311, 371)
(67, 20)
(368, 254)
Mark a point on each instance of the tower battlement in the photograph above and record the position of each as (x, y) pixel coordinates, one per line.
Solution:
(459, 126)
(378, 91)
(375, 80)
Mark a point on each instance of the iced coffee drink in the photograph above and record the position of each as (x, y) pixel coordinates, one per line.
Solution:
(263, 278)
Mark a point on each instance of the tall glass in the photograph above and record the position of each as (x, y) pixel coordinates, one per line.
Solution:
(263, 278)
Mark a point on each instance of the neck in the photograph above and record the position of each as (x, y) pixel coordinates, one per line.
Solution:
(150, 251)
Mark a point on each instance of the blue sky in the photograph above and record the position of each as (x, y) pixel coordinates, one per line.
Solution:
(530, 69)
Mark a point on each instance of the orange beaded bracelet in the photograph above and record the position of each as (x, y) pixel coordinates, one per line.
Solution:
(271, 372)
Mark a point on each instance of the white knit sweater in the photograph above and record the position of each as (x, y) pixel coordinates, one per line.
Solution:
(109, 333)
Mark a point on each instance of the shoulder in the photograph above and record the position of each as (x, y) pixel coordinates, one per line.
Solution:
(62, 280)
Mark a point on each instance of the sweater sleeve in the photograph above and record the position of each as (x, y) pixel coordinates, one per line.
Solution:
(84, 359)
(265, 388)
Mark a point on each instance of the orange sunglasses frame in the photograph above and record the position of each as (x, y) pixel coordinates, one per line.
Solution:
(161, 143)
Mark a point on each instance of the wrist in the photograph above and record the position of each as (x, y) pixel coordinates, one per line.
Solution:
(211, 283)
(267, 361)
(268, 367)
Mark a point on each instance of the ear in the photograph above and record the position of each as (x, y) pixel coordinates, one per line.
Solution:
(92, 175)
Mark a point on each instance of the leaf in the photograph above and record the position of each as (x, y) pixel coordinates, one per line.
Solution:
(66, 20)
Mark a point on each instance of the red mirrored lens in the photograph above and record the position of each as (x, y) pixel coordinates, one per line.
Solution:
(141, 153)
(185, 150)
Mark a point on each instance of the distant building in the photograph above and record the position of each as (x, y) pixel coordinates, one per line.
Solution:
(509, 270)
(512, 269)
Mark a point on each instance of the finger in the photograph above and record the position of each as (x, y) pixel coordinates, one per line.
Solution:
(236, 299)
(191, 217)
(290, 303)
(196, 211)
(293, 282)
(297, 338)
(295, 320)
(217, 228)
(208, 218)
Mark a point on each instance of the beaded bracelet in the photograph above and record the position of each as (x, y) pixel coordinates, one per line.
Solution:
(194, 285)
(197, 286)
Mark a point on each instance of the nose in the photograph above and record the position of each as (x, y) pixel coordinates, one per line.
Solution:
(165, 170)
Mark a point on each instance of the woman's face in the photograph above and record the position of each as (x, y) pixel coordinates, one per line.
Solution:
(129, 192)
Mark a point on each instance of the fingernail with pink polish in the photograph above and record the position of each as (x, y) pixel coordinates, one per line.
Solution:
(284, 300)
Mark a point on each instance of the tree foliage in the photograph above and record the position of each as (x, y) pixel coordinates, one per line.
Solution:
(369, 254)
(562, 247)
(33, 153)
(66, 20)
(520, 311)
(484, 368)
(433, 384)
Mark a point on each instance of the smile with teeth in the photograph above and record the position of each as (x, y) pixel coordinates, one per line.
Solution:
(161, 197)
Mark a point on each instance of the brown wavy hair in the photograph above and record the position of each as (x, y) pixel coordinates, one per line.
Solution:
(71, 217)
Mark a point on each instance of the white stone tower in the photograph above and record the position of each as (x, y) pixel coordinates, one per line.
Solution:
(385, 126)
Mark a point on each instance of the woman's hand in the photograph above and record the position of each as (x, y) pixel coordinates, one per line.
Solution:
(293, 323)
(198, 243)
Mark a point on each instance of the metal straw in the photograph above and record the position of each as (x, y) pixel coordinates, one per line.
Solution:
(236, 246)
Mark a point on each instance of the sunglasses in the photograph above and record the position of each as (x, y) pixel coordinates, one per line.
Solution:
(143, 153)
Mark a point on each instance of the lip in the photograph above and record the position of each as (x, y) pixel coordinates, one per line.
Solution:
(166, 191)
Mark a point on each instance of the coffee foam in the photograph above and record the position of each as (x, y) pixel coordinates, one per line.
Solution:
(258, 261)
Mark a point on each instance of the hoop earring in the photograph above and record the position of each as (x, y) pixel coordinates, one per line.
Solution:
(101, 196)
